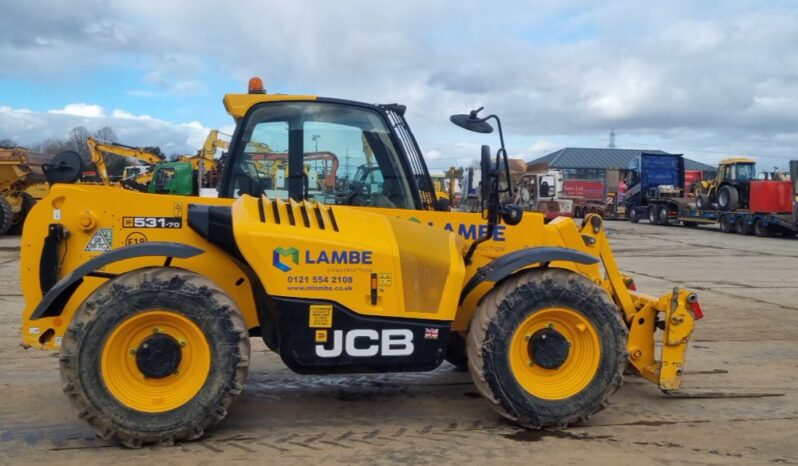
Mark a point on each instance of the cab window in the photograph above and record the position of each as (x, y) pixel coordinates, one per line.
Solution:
(333, 153)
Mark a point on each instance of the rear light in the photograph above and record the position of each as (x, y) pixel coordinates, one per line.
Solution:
(630, 284)
(692, 300)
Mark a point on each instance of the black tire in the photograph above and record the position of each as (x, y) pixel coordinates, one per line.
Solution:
(702, 202)
(501, 313)
(728, 198)
(175, 291)
(760, 229)
(633, 215)
(6, 216)
(652, 215)
(741, 227)
(456, 352)
(28, 202)
(789, 233)
(725, 225)
(662, 215)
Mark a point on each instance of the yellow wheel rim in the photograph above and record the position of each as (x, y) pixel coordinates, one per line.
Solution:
(125, 380)
(578, 368)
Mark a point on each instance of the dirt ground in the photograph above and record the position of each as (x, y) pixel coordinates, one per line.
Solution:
(745, 348)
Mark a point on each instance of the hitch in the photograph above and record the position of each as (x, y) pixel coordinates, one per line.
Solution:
(674, 313)
(678, 321)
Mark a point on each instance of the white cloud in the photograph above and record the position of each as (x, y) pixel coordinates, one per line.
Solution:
(81, 110)
(27, 127)
(710, 76)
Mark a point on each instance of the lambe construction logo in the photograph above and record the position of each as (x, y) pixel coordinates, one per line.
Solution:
(290, 254)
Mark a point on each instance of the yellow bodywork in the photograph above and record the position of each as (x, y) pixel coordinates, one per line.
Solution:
(415, 261)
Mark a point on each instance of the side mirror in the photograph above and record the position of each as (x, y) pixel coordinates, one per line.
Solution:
(471, 122)
(485, 169)
(66, 167)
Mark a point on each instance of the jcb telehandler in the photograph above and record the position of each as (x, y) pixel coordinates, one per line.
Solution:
(152, 299)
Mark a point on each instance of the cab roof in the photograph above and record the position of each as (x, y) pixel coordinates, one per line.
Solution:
(237, 105)
(733, 160)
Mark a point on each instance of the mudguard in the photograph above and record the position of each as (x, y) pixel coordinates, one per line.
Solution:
(505, 265)
(53, 302)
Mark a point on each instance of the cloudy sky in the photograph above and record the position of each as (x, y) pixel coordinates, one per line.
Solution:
(707, 79)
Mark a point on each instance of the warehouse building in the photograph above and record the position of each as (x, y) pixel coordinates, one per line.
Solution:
(578, 163)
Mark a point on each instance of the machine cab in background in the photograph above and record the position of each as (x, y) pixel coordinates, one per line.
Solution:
(332, 151)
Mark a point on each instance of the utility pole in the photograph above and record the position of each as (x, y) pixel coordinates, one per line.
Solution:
(346, 166)
(612, 139)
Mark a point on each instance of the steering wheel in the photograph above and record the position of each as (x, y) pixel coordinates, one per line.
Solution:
(357, 197)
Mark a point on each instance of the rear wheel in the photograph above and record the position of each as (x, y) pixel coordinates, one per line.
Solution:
(547, 348)
(760, 229)
(6, 215)
(741, 227)
(652, 215)
(725, 225)
(155, 355)
(728, 198)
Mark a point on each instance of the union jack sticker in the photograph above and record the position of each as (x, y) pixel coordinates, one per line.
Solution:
(430, 333)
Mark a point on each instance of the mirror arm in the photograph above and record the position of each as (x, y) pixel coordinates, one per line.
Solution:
(502, 152)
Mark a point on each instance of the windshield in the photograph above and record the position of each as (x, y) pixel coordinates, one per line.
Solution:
(745, 171)
(333, 153)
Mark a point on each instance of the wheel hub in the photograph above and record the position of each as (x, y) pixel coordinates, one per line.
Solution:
(158, 356)
(548, 348)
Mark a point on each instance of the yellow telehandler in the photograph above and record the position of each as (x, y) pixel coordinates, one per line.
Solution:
(152, 299)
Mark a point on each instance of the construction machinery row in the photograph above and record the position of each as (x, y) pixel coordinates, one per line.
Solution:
(736, 199)
(151, 300)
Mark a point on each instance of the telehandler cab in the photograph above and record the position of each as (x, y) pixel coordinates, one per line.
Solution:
(151, 299)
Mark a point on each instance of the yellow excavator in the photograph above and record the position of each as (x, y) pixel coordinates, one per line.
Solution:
(204, 162)
(131, 177)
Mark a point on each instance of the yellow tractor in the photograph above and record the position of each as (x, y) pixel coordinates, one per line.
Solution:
(152, 299)
(729, 189)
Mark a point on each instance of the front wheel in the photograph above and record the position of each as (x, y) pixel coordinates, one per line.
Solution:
(155, 355)
(547, 348)
(634, 216)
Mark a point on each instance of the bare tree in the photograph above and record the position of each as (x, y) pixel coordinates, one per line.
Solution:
(6, 142)
(106, 134)
(49, 146)
(76, 141)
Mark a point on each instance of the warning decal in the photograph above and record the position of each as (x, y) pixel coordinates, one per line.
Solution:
(101, 241)
(321, 316)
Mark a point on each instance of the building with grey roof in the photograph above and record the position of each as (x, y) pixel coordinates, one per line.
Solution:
(590, 164)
